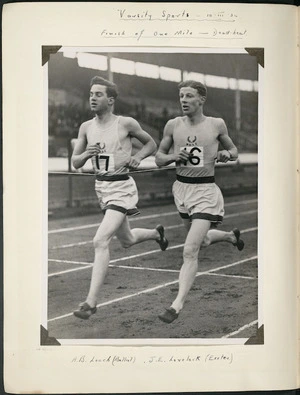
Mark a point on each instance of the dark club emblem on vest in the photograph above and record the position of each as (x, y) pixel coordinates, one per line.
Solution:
(191, 140)
(101, 146)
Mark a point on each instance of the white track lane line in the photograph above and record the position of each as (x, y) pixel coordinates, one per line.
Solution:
(98, 223)
(80, 243)
(148, 290)
(229, 265)
(142, 218)
(249, 230)
(181, 225)
(241, 329)
(89, 264)
(142, 268)
(232, 276)
(145, 268)
(177, 271)
(125, 258)
(242, 202)
(72, 262)
(166, 228)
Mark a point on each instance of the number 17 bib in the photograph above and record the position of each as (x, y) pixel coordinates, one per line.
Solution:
(103, 163)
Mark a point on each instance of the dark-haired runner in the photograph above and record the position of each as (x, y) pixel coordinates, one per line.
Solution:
(106, 139)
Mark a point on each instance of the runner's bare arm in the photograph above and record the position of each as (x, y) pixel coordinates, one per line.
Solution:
(163, 157)
(149, 145)
(82, 152)
(230, 151)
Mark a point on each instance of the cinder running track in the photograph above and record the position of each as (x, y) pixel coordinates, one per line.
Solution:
(143, 280)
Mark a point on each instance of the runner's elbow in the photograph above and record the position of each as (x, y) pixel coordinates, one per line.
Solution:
(159, 160)
(162, 159)
(75, 163)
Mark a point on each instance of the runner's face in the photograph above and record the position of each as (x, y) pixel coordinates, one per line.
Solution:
(190, 100)
(99, 102)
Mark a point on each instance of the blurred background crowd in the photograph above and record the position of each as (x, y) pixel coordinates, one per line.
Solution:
(147, 85)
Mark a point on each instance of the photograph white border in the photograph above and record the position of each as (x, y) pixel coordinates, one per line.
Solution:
(154, 341)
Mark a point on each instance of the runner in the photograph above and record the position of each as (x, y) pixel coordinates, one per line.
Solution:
(194, 139)
(106, 139)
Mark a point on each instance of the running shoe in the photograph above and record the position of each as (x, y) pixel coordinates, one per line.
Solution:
(239, 244)
(85, 311)
(162, 241)
(169, 315)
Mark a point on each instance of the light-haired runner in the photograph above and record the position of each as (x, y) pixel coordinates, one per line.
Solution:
(194, 139)
(106, 139)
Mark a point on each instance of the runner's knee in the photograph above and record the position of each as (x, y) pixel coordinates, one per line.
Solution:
(101, 241)
(190, 251)
(206, 242)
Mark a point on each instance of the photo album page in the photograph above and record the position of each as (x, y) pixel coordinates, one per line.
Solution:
(150, 240)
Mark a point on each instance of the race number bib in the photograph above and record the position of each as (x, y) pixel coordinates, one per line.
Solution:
(103, 163)
(197, 156)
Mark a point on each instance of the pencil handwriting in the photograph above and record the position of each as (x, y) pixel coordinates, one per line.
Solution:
(194, 33)
(207, 358)
(110, 359)
(122, 360)
(167, 15)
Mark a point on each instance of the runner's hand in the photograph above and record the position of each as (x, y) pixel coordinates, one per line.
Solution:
(182, 156)
(133, 163)
(92, 150)
(223, 156)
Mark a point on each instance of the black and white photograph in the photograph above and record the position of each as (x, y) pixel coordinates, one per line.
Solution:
(150, 191)
(153, 196)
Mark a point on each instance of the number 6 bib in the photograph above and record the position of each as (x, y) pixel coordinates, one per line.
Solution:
(197, 156)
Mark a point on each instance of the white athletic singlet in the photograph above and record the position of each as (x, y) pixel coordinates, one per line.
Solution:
(202, 142)
(113, 157)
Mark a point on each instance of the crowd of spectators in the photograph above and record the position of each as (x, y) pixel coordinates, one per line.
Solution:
(64, 120)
